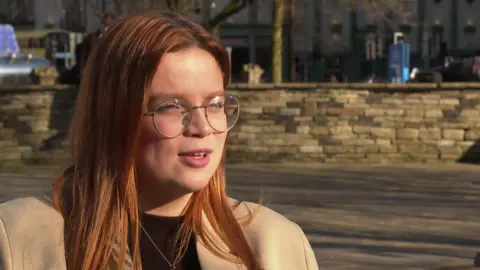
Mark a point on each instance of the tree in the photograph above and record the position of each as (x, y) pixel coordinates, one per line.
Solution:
(278, 21)
(184, 7)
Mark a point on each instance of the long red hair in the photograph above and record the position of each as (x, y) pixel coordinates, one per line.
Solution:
(97, 195)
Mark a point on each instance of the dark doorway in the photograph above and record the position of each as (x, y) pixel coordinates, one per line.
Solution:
(239, 58)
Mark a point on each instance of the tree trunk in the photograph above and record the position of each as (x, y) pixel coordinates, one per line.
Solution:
(291, 49)
(279, 16)
(183, 7)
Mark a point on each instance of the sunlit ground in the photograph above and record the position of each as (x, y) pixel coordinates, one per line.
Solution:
(356, 217)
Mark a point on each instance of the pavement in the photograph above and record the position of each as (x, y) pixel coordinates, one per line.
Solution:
(355, 216)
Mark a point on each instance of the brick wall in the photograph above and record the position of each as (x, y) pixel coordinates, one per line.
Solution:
(290, 122)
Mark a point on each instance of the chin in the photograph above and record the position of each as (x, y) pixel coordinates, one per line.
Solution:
(193, 180)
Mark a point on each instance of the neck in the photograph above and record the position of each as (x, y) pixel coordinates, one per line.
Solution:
(168, 207)
(162, 199)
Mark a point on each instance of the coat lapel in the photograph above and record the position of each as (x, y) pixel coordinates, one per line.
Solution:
(208, 260)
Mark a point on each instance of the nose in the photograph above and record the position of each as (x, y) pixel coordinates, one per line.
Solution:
(199, 126)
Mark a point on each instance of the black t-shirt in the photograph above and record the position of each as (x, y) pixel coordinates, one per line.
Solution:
(163, 230)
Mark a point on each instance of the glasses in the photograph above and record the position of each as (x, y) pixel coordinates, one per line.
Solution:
(173, 117)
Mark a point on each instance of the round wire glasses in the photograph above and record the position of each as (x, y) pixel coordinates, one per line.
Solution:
(172, 118)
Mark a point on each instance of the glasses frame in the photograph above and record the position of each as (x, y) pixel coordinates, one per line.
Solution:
(190, 111)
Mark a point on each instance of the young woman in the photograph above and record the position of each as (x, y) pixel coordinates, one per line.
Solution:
(147, 186)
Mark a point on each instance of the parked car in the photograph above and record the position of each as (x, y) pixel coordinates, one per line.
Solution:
(16, 67)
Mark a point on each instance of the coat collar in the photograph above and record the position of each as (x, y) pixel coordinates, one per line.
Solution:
(207, 259)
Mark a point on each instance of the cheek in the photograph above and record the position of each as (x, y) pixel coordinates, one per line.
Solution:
(152, 147)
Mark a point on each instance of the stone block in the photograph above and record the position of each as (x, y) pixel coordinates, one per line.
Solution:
(375, 112)
(407, 133)
(244, 135)
(383, 133)
(383, 142)
(10, 153)
(472, 134)
(311, 149)
(387, 148)
(8, 143)
(349, 157)
(454, 125)
(443, 143)
(261, 122)
(251, 128)
(412, 148)
(470, 113)
(358, 142)
(466, 144)
(269, 142)
(290, 111)
(252, 110)
(273, 129)
(453, 134)
(310, 108)
(457, 150)
(430, 133)
(344, 111)
(341, 130)
(343, 136)
(320, 120)
(361, 129)
(394, 112)
(392, 101)
(335, 149)
(304, 129)
(448, 157)
(303, 119)
(7, 133)
(412, 100)
(320, 130)
(435, 113)
(294, 104)
(367, 149)
(450, 101)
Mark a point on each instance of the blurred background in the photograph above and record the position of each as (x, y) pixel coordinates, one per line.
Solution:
(291, 40)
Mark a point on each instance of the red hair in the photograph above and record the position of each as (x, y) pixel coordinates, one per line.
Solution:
(97, 195)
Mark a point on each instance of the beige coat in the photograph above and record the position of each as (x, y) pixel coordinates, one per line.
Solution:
(31, 238)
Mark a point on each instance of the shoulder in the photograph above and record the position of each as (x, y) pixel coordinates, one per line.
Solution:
(28, 209)
(272, 234)
(28, 216)
(260, 216)
(31, 230)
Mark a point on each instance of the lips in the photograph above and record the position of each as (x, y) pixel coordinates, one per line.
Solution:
(196, 153)
(198, 158)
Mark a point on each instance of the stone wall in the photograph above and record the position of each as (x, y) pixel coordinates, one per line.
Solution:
(33, 122)
(373, 123)
(358, 123)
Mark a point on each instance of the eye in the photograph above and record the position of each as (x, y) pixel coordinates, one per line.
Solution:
(216, 105)
(172, 107)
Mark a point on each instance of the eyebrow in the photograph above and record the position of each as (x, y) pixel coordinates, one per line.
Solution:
(167, 97)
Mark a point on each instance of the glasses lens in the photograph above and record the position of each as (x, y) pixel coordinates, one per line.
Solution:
(223, 112)
(171, 118)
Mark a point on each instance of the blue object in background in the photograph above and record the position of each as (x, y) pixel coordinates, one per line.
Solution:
(8, 40)
(398, 63)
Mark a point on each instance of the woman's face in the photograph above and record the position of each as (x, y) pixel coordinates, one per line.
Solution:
(186, 163)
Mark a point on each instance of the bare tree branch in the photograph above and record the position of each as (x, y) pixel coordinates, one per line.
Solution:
(233, 7)
(96, 11)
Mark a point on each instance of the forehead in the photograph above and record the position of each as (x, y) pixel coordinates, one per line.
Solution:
(191, 74)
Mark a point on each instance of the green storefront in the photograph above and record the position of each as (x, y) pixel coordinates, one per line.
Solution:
(251, 43)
